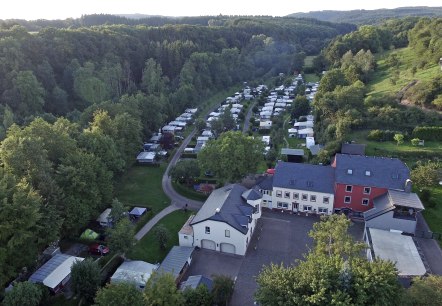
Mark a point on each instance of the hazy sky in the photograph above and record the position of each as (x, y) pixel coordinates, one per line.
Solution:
(61, 9)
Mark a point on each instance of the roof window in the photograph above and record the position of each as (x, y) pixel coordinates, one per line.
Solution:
(367, 173)
(349, 171)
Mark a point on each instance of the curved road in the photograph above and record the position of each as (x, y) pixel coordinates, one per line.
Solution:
(247, 118)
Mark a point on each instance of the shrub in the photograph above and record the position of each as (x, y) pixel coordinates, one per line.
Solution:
(415, 141)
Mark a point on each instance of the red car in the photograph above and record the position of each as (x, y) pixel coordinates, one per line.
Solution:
(98, 249)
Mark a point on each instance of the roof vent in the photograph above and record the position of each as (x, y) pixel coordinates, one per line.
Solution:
(292, 182)
(395, 176)
(309, 184)
(367, 173)
(217, 210)
(349, 171)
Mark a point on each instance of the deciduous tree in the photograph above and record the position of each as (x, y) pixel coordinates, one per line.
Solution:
(121, 237)
(161, 290)
(123, 294)
(85, 277)
(218, 155)
(23, 294)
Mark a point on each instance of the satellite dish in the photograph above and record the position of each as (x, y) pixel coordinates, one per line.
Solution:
(217, 210)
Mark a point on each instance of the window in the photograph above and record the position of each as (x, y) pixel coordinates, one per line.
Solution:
(295, 195)
(287, 194)
(326, 200)
(349, 171)
(227, 233)
(207, 230)
(347, 199)
(365, 202)
(186, 237)
(283, 205)
(349, 188)
(367, 190)
(312, 198)
(304, 197)
(322, 210)
(307, 208)
(278, 193)
(367, 173)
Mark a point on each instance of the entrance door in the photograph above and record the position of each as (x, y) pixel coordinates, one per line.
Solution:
(208, 244)
(227, 248)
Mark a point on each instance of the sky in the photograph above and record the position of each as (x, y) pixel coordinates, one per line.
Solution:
(61, 9)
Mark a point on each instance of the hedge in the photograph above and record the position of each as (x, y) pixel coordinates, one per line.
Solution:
(428, 132)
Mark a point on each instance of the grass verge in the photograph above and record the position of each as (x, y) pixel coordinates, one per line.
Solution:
(433, 216)
(148, 249)
(188, 193)
(141, 186)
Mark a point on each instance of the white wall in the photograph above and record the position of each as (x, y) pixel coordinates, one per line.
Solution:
(315, 205)
(185, 240)
(217, 234)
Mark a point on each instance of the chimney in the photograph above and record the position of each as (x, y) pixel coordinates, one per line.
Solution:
(408, 186)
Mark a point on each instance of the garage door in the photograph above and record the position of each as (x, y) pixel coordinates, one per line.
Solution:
(208, 244)
(227, 248)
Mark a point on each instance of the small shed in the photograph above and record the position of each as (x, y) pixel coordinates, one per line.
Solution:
(56, 272)
(293, 155)
(177, 262)
(104, 219)
(146, 157)
(135, 271)
(194, 281)
(185, 235)
(138, 212)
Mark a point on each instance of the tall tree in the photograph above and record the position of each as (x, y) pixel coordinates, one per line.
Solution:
(200, 296)
(218, 154)
(333, 273)
(85, 277)
(185, 171)
(20, 225)
(161, 290)
(222, 289)
(152, 81)
(425, 291)
(121, 237)
(123, 294)
(23, 294)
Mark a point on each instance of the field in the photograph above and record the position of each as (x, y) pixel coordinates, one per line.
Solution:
(381, 83)
(141, 186)
(433, 216)
(147, 248)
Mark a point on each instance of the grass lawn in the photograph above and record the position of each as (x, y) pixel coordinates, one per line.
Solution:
(141, 186)
(311, 77)
(188, 192)
(381, 83)
(147, 248)
(433, 216)
(375, 148)
(308, 60)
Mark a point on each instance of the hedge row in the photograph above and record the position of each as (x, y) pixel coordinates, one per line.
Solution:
(382, 135)
(428, 132)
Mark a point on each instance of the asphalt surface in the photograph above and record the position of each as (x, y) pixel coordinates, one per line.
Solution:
(247, 118)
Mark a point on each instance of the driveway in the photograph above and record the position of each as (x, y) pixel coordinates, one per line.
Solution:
(279, 238)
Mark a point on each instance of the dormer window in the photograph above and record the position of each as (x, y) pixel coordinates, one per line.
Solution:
(367, 173)
(350, 171)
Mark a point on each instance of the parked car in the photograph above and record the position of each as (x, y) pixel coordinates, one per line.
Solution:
(98, 249)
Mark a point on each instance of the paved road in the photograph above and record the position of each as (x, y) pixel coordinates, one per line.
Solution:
(247, 118)
(430, 247)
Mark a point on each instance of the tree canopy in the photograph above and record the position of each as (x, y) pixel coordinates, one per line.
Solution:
(217, 155)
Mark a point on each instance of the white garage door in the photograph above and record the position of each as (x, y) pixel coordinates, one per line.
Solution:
(227, 248)
(208, 244)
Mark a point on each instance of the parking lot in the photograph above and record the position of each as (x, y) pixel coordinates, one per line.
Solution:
(278, 238)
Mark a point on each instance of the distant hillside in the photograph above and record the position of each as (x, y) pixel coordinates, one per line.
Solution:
(371, 16)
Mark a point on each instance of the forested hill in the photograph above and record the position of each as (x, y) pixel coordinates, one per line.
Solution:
(371, 16)
(107, 19)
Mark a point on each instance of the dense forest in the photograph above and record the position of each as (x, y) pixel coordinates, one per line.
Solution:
(76, 103)
(364, 17)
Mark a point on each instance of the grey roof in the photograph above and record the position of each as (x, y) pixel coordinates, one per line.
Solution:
(405, 199)
(233, 209)
(175, 260)
(315, 149)
(353, 148)
(388, 201)
(383, 172)
(48, 268)
(194, 281)
(287, 151)
(265, 182)
(304, 177)
(251, 194)
(136, 271)
(381, 205)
